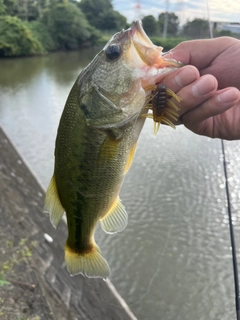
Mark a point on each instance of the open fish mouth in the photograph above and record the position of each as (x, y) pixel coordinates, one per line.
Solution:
(150, 59)
(149, 53)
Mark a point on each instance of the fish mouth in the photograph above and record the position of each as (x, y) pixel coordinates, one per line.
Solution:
(139, 35)
(149, 53)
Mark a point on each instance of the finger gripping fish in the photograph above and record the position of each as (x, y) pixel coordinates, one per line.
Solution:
(96, 142)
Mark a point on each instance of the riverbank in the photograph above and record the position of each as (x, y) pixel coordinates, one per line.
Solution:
(34, 282)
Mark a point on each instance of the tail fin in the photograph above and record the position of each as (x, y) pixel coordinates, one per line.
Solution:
(90, 264)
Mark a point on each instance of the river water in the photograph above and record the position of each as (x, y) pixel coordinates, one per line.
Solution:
(173, 261)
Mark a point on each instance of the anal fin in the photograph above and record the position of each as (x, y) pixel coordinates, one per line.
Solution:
(52, 203)
(116, 218)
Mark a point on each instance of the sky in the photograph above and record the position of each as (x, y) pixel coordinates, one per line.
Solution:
(219, 10)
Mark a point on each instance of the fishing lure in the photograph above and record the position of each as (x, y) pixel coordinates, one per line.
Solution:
(164, 110)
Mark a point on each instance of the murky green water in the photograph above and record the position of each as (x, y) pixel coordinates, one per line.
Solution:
(174, 260)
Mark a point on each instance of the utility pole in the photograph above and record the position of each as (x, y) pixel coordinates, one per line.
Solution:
(138, 9)
(209, 20)
(166, 21)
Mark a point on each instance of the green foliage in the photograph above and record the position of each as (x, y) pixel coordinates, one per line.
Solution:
(197, 28)
(101, 15)
(37, 26)
(150, 25)
(11, 7)
(168, 43)
(17, 255)
(68, 26)
(121, 21)
(2, 8)
(41, 33)
(16, 39)
(223, 33)
(26, 10)
(93, 9)
(173, 23)
(94, 39)
(3, 282)
(112, 20)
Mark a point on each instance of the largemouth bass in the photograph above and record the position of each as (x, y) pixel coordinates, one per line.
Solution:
(96, 141)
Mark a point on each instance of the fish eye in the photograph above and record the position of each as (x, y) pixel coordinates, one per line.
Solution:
(113, 52)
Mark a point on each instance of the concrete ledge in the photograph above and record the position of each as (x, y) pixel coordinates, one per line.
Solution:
(34, 283)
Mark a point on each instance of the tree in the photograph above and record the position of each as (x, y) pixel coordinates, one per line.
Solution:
(67, 26)
(111, 20)
(16, 39)
(101, 15)
(197, 28)
(120, 20)
(93, 9)
(222, 33)
(11, 7)
(26, 10)
(40, 32)
(173, 23)
(150, 25)
(2, 8)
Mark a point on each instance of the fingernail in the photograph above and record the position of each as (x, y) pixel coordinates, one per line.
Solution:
(226, 96)
(185, 76)
(204, 85)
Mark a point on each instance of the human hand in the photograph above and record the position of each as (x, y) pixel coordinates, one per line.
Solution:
(210, 104)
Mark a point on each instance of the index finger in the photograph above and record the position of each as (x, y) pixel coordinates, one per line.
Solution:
(181, 78)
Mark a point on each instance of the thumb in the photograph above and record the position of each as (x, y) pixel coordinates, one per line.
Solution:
(200, 53)
(194, 52)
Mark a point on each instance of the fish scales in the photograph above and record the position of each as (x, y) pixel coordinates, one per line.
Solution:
(96, 142)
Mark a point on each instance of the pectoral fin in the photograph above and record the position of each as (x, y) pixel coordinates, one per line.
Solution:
(108, 150)
(52, 203)
(116, 219)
